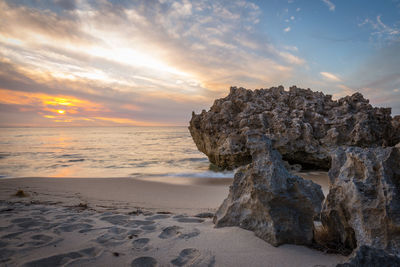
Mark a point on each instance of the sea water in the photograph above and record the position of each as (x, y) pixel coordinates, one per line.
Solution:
(102, 152)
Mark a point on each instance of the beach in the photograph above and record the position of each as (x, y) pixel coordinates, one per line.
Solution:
(131, 222)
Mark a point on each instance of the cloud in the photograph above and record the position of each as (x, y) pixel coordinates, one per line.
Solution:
(330, 76)
(287, 29)
(330, 5)
(378, 77)
(291, 48)
(292, 58)
(381, 32)
(31, 25)
(77, 50)
(345, 91)
(36, 95)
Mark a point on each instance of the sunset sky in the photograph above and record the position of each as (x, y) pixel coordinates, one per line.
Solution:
(111, 63)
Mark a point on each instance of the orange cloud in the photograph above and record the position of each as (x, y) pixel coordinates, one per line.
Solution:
(56, 108)
(43, 100)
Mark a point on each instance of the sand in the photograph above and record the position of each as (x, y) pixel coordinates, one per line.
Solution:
(130, 222)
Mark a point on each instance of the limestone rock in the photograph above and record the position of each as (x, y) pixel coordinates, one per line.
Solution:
(396, 129)
(303, 124)
(371, 257)
(265, 198)
(363, 204)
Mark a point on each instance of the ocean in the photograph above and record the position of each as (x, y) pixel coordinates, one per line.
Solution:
(102, 152)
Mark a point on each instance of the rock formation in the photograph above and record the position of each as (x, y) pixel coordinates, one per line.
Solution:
(267, 132)
(370, 257)
(303, 124)
(265, 198)
(396, 129)
(363, 204)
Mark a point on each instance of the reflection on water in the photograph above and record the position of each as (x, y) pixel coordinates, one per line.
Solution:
(101, 152)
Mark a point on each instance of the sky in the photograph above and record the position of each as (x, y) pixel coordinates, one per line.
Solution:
(151, 63)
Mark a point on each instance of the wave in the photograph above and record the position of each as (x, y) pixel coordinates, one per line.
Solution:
(76, 160)
(4, 155)
(185, 160)
(113, 152)
(55, 166)
(69, 155)
(206, 174)
(194, 160)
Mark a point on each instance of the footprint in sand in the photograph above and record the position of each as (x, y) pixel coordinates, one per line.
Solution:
(191, 257)
(190, 220)
(144, 262)
(13, 235)
(26, 222)
(158, 217)
(187, 235)
(63, 216)
(148, 228)
(49, 226)
(172, 231)
(134, 233)
(110, 240)
(65, 258)
(74, 227)
(116, 230)
(140, 243)
(169, 232)
(186, 219)
(204, 215)
(139, 223)
(116, 219)
(40, 240)
(187, 256)
(31, 242)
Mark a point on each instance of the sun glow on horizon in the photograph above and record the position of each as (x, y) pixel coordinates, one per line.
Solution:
(61, 111)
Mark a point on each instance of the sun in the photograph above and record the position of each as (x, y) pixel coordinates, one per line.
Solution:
(61, 111)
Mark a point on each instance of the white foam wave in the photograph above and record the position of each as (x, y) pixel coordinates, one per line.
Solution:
(206, 174)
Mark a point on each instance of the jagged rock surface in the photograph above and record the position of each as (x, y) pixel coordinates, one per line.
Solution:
(396, 129)
(371, 257)
(363, 204)
(265, 198)
(303, 124)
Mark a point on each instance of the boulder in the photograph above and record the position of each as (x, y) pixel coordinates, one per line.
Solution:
(371, 257)
(265, 198)
(363, 204)
(303, 124)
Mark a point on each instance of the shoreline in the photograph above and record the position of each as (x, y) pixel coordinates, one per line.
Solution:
(184, 195)
(178, 194)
